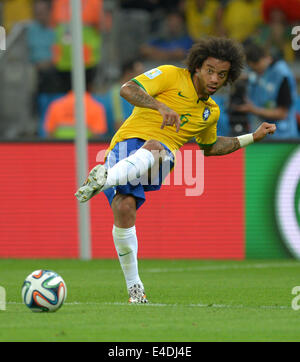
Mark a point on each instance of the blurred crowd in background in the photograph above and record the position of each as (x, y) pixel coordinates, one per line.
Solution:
(123, 38)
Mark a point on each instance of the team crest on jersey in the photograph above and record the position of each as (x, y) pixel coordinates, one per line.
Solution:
(206, 113)
(153, 73)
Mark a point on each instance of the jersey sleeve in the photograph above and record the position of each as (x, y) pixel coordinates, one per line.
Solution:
(157, 80)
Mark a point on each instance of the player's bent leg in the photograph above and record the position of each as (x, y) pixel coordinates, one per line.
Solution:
(130, 168)
(160, 155)
(125, 240)
(126, 170)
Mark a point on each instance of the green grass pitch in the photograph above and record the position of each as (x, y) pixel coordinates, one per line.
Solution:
(190, 300)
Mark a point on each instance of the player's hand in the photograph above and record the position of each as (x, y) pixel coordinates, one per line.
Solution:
(263, 130)
(170, 117)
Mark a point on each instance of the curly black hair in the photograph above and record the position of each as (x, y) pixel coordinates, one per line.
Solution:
(220, 48)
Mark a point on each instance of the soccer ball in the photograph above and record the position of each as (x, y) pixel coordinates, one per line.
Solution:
(44, 291)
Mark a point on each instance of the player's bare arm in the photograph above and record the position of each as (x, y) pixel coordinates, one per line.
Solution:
(226, 145)
(135, 95)
(223, 146)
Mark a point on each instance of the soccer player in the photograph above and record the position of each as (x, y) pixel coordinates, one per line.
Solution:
(172, 106)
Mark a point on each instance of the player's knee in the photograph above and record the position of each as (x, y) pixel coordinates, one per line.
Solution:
(124, 209)
(153, 145)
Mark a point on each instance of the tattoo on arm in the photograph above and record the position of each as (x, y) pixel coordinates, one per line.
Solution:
(135, 95)
(223, 146)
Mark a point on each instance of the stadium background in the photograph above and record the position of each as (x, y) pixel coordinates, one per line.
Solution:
(235, 218)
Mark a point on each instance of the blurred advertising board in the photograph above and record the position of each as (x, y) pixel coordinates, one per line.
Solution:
(249, 207)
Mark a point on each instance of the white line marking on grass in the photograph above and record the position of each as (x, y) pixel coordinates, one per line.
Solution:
(197, 305)
(200, 305)
(223, 267)
(242, 265)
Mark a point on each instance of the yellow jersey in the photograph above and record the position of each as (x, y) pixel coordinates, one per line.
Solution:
(174, 87)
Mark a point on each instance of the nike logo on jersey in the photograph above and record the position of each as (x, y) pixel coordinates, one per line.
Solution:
(181, 95)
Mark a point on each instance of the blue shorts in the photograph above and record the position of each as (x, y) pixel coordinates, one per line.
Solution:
(138, 188)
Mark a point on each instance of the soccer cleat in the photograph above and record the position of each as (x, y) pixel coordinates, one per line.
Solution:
(137, 294)
(93, 184)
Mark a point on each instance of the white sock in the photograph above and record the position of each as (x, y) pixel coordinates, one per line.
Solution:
(129, 169)
(126, 245)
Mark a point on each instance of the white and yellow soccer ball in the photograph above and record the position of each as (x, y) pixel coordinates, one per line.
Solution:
(44, 291)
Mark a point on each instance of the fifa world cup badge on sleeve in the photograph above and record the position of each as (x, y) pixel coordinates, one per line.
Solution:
(153, 73)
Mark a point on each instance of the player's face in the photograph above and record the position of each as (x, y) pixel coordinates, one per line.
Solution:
(211, 76)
